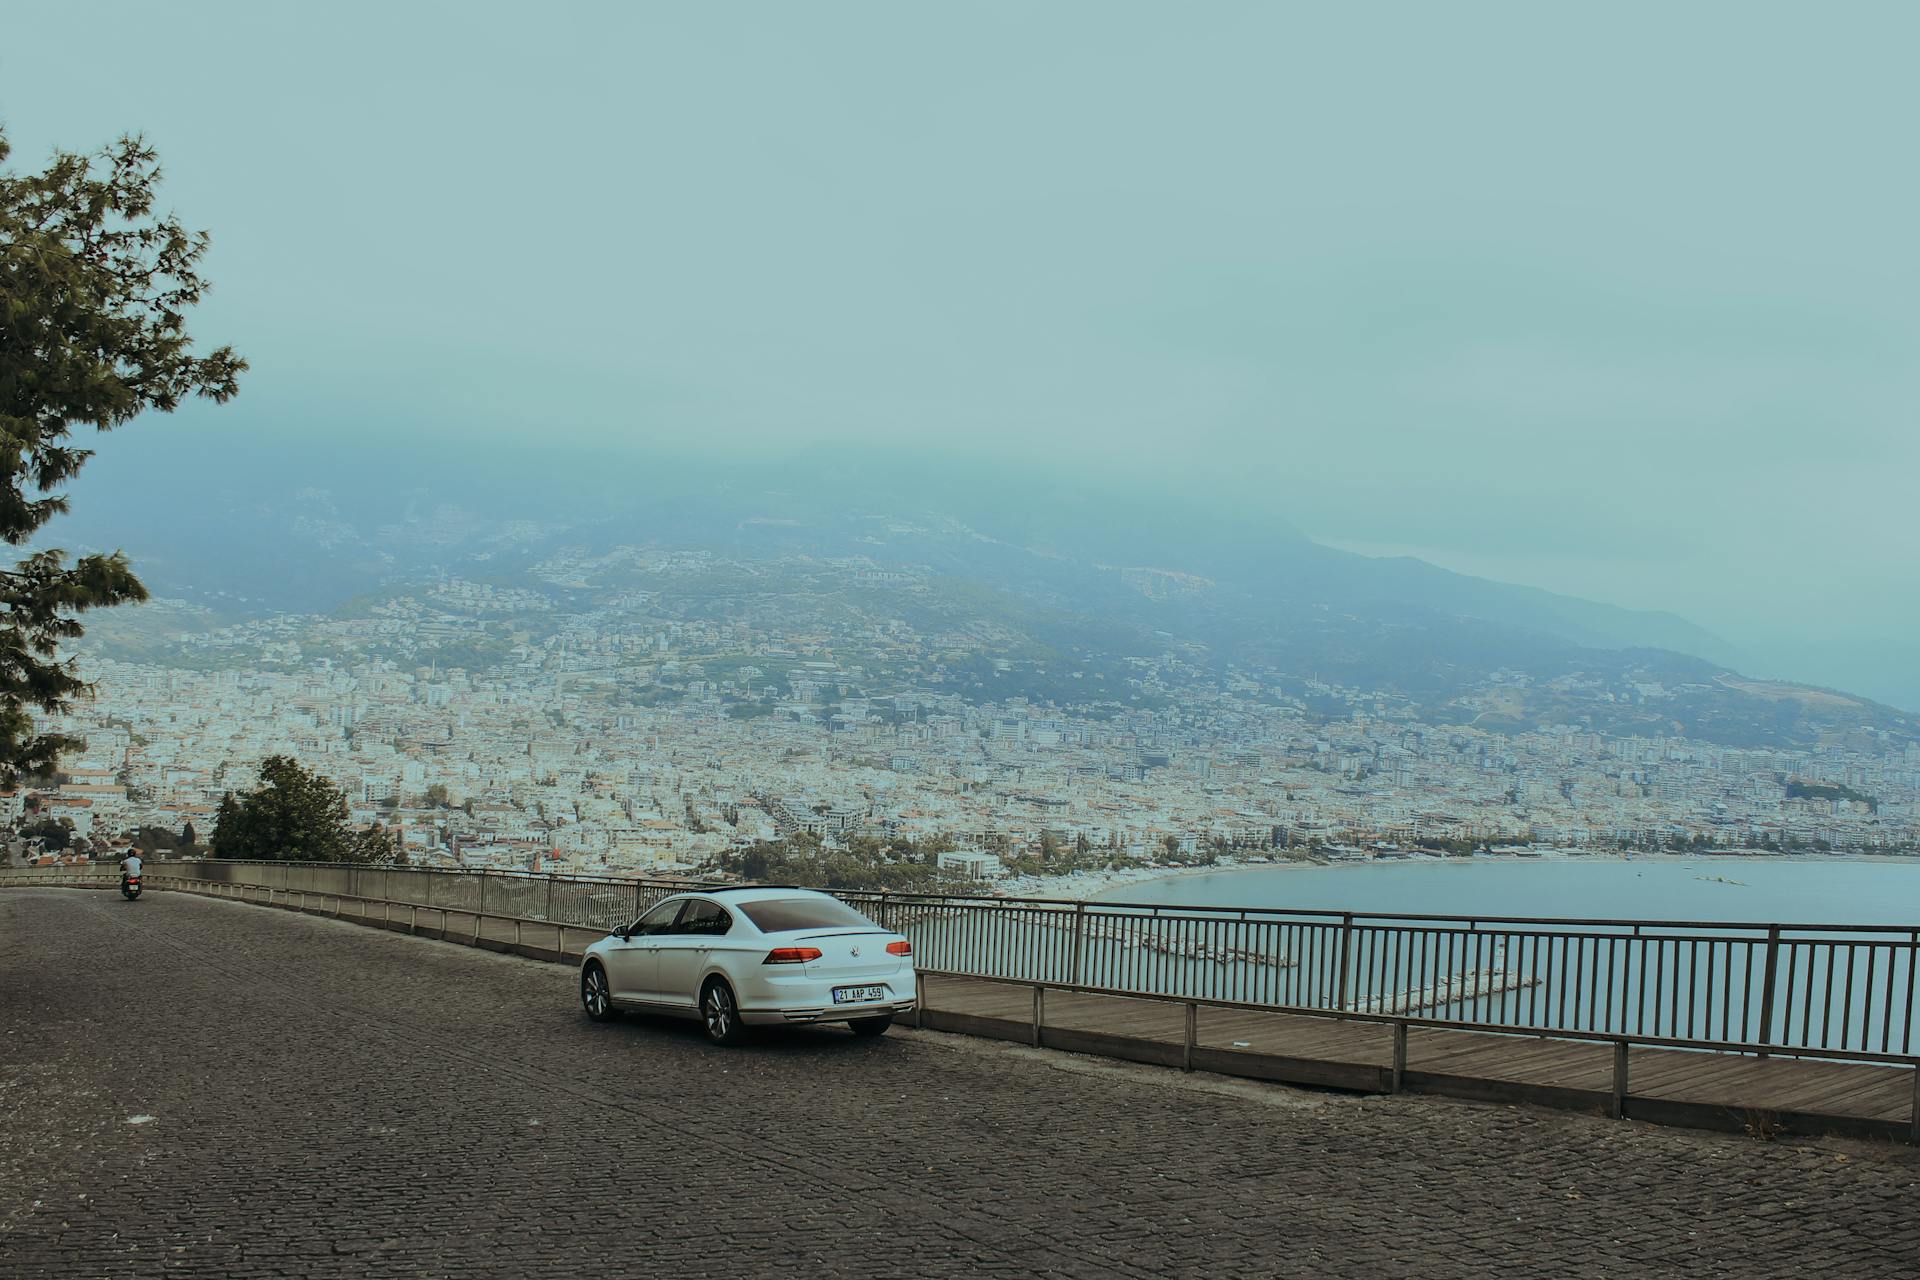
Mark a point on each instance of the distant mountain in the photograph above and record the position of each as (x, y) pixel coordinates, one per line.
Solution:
(308, 537)
(1060, 566)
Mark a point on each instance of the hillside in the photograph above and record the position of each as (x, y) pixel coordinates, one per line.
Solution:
(1048, 579)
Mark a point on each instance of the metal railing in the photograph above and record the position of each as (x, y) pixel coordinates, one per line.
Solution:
(1819, 989)
(1808, 990)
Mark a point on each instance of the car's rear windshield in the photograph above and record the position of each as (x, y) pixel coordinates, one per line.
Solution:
(777, 915)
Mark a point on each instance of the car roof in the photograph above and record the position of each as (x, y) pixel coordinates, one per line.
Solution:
(749, 888)
(750, 892)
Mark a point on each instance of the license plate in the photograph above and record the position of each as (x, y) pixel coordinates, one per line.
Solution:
(858, 995)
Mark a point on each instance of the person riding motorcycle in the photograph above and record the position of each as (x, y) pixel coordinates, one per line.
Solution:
(129, 866)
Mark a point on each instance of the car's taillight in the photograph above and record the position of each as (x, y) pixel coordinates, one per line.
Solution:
(900, 948)
(791, 955)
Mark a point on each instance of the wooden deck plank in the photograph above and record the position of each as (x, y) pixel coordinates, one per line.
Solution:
(1291, 1035)
(1774, 1084)
(1562, 1064)
(1116, 1015)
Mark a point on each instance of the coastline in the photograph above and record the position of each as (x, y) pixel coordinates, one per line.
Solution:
(1083, 886)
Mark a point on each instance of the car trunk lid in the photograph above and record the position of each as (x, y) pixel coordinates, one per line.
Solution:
(852, 956)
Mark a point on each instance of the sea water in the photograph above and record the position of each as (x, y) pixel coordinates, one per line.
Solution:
(1800, 890)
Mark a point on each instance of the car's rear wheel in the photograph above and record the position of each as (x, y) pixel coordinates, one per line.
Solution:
(720, 1014)
(595, 997)
(871, 1027)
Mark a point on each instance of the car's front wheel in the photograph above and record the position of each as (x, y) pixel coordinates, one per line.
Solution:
(720, 1014)
(595, 997)
(870, 1027)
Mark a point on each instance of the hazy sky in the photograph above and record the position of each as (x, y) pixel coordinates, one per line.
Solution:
(1617, 299)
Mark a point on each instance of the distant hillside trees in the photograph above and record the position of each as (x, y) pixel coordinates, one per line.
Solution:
(54, 834)
(867, 863)
(1798, 789)
(94, 291)
(295, 815)
(156, 841)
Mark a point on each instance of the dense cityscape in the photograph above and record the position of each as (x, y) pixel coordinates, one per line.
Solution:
(492, 726)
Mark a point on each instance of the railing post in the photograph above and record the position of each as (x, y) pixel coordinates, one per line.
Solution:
(1192, 1035)
(1346, 950)
(1618, 1109)
(1039, 1013)
(1399, 1057)
(1079, 929)
(483, 891)
(549, 897)
(1767, 987)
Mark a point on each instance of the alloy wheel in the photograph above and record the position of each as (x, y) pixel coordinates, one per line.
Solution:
(719, 1011)
(593, 992)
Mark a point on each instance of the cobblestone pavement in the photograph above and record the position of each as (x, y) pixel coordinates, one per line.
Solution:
(206, 1088)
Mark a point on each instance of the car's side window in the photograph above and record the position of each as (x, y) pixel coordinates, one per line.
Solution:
(704, 919)
(657, 921)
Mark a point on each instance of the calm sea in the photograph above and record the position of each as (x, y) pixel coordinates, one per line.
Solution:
(1764, 890)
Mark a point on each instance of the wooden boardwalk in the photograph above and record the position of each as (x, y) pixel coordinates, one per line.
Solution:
(1666, 1086)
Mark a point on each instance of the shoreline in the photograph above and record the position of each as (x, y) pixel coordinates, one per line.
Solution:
(1086, 886)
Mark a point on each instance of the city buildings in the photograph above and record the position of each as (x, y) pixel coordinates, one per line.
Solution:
(624, 741)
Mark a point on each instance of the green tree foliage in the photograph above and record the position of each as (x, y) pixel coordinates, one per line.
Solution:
(154, 840)
(295, 815)
(1801, 790)
(94, 291)
(54, 834)
(866, 864)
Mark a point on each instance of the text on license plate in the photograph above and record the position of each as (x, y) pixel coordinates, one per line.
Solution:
(858, 995)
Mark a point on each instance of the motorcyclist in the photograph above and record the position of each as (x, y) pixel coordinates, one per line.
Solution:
(129, 866)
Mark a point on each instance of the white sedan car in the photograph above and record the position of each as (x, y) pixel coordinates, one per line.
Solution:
(752, 956)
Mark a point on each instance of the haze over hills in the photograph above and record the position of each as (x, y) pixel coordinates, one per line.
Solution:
(310, 543)
(1053, 569)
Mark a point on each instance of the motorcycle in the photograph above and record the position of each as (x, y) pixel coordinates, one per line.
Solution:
(130, 885)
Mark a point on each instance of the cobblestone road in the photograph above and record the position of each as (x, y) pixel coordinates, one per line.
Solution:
(205, 1088)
